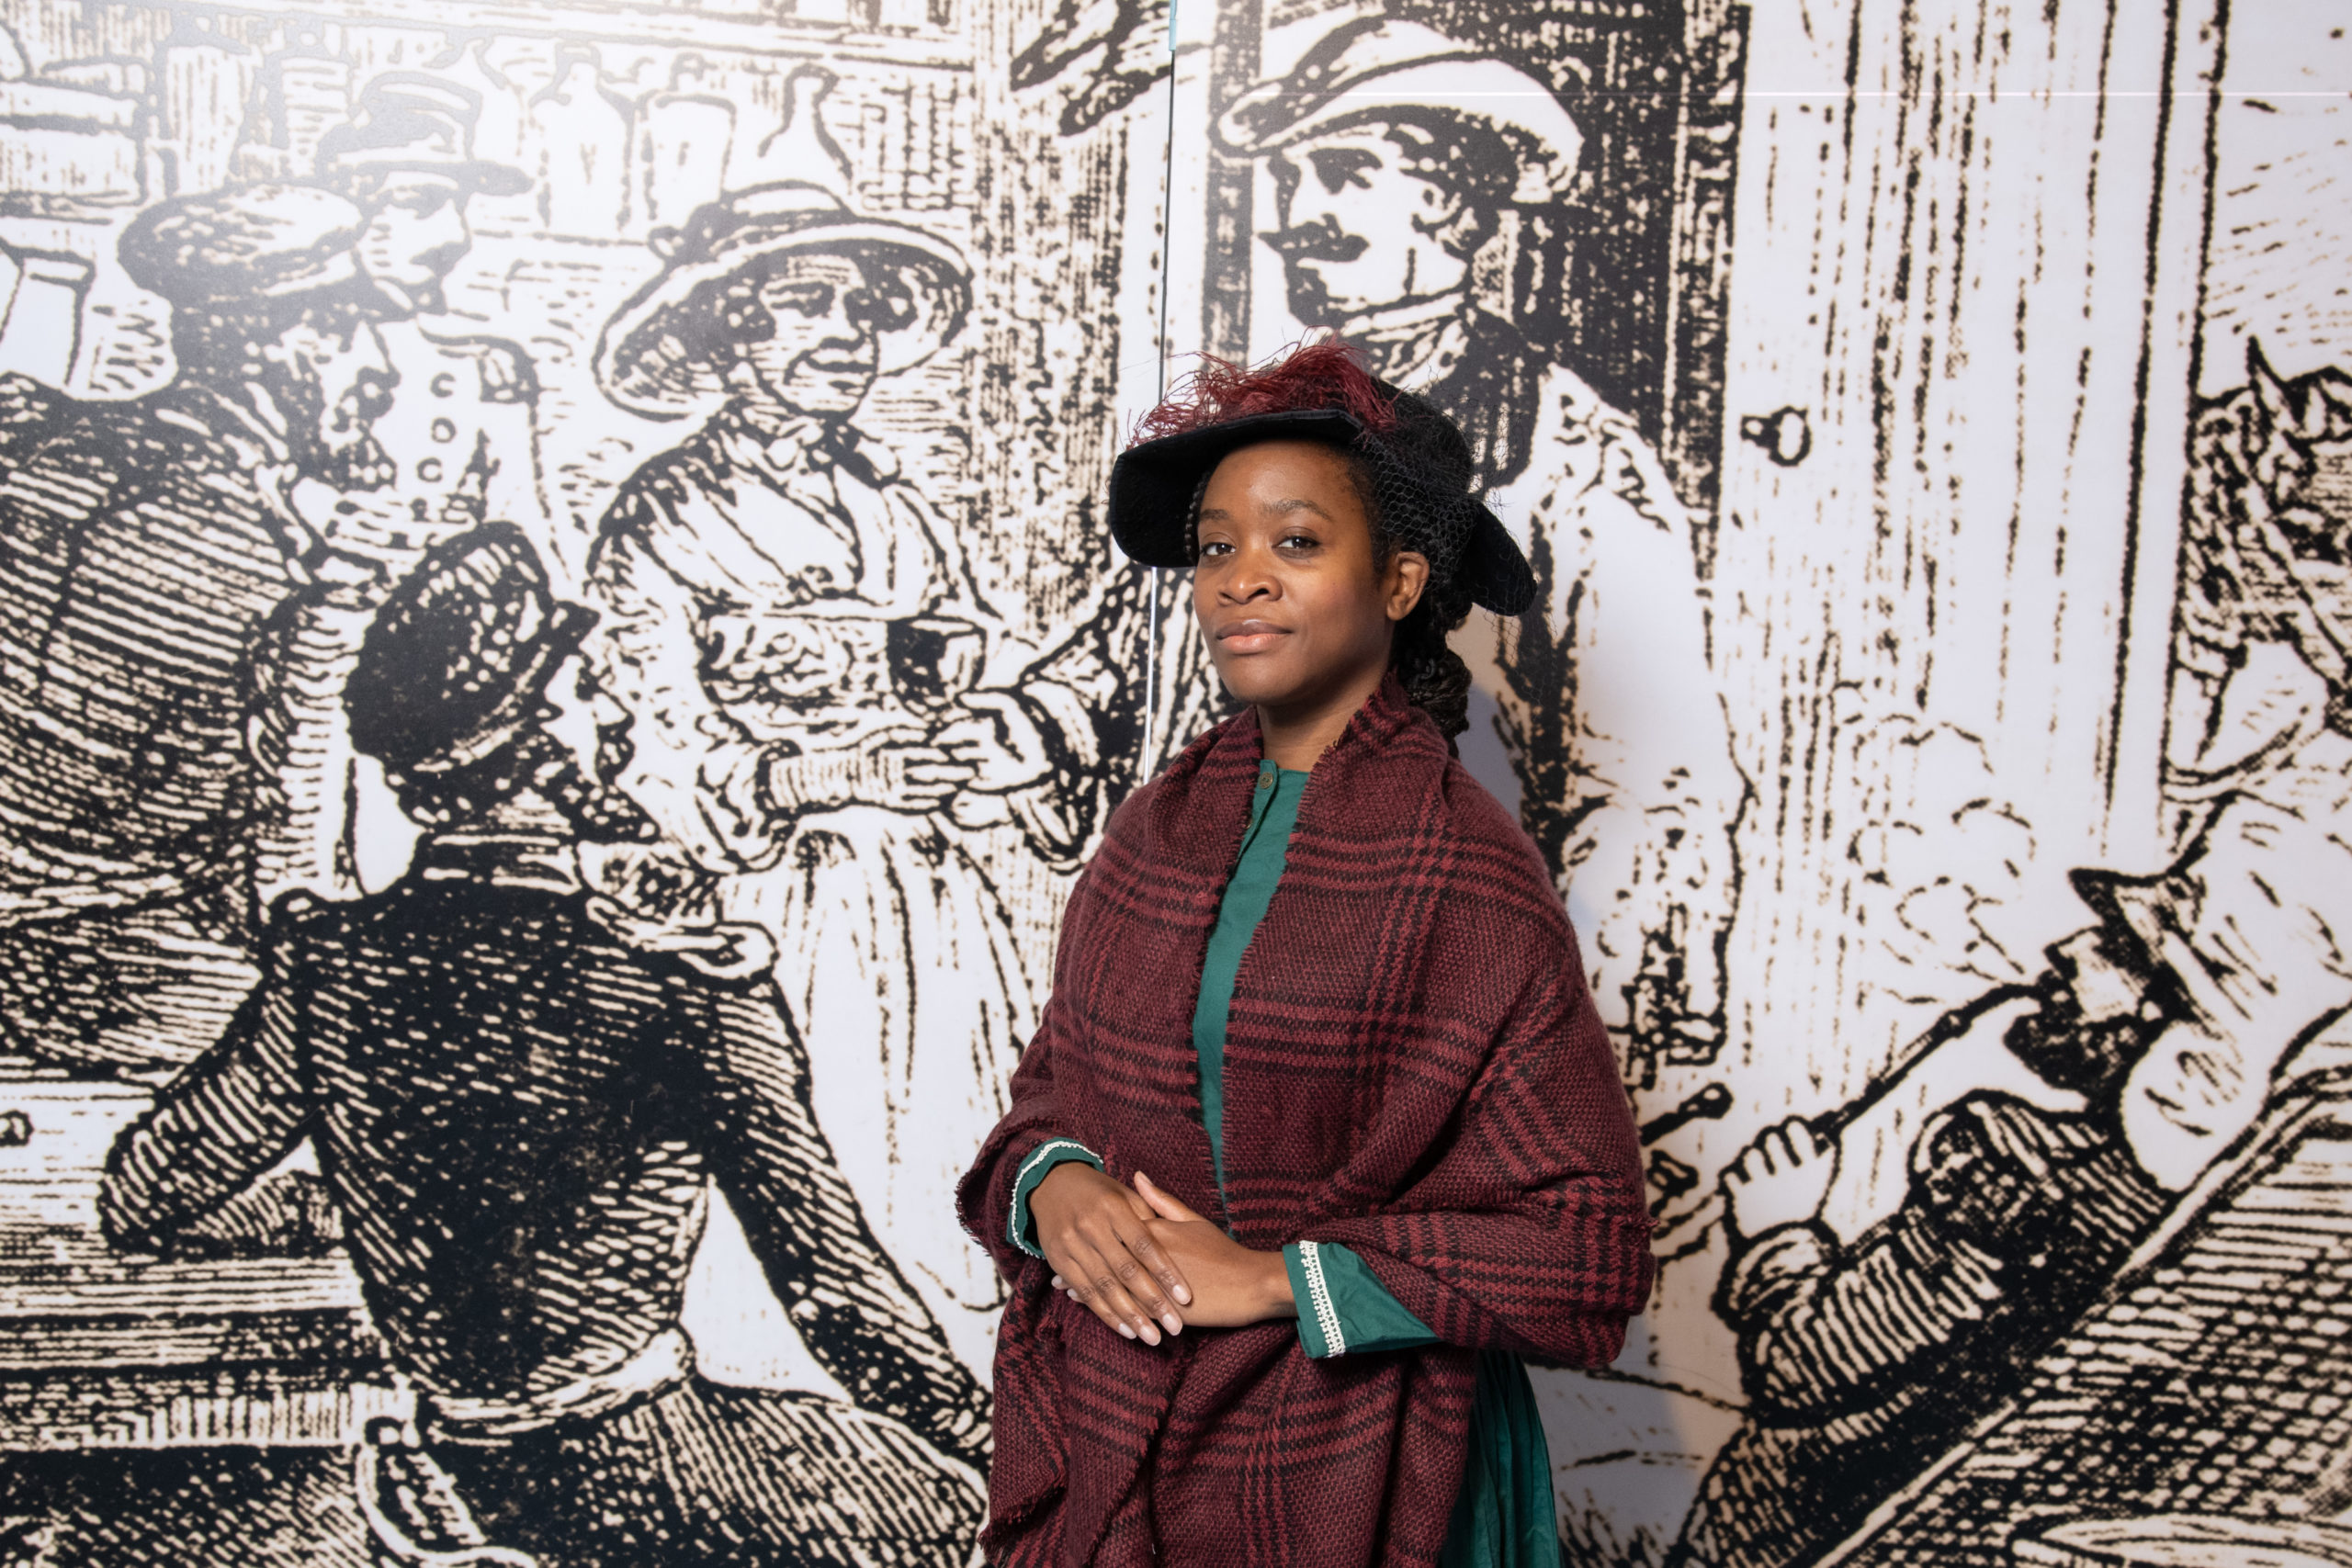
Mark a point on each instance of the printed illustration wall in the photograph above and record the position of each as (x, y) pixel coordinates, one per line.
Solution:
(560, 657)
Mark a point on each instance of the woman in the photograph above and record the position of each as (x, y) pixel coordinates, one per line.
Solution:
(822, 711)
(1320, 1132)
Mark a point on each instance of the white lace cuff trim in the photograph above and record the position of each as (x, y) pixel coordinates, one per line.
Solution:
(1327, 1317)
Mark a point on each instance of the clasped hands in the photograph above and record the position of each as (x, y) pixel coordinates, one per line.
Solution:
(1147, 1265)
(993, 747)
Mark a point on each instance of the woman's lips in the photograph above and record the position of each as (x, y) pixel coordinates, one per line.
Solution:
(1250, 637)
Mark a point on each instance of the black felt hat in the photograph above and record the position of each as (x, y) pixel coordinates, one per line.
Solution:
(1422, 478)
(456, 660)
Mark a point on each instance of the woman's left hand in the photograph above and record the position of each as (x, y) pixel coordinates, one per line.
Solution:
(1232, 1285)
(997, 740)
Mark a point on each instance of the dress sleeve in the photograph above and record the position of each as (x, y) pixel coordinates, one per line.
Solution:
(1343, 1309)
(985, 1199)
(1649, 802)
(692, 768)
(854, 1309)
(1034, 1168)
(235, 1113)
(1826, 1327)
(1034, 1122)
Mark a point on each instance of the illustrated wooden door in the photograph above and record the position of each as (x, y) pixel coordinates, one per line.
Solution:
(1965, 267)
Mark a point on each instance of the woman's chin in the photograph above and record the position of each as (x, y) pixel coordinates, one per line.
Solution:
(1248, 681)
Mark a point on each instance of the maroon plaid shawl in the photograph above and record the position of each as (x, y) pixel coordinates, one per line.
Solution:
(1413, 1069)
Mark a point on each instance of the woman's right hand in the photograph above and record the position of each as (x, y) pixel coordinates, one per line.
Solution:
(1097, 1236)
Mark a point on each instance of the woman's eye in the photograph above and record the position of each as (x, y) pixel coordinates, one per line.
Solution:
(1298, 541)
(1208, 550)
(807, 299)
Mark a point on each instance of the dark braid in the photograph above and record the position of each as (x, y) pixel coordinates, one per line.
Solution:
(1435, 678)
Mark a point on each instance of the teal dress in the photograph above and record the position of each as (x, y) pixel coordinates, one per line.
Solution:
(1504, 1518)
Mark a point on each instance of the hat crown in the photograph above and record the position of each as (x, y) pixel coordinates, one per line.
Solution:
(409, 121)
(1368, 46)
(1373, 70)
(1424, 482)
(754, 212)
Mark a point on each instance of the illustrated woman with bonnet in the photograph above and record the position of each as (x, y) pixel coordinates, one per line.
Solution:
(821, 709)
(1321, 1137)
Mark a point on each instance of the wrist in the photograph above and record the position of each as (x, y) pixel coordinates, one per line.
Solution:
(791, 780)
(1275, 1298)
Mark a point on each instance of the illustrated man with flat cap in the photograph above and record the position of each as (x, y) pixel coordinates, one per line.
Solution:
(1397, 154)
(405, 158)
(516, 1111)
(154, 548)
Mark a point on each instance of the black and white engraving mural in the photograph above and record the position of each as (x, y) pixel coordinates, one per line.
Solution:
(560, 657)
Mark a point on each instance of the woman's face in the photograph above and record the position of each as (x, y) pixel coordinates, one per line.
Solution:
(1297, 608)
(823, 354)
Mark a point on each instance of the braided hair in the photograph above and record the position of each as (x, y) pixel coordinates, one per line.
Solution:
(1331, 375)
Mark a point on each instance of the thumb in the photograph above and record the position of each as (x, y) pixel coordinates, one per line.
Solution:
(1166, 1208)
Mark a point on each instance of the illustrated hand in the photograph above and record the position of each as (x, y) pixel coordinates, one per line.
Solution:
(1096, 1233)
(998, 740)
(722, 950)
(1233, 1285)
(288, 1214)
(896, 775)
(962, 1429)
(1782, 1178)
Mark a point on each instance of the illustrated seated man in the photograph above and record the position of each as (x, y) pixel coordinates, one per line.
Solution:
(1400, 156)
(2199, 995)
(515, 1112)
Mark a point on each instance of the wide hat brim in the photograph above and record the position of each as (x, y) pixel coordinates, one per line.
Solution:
(654, 360)
(1155, 484)
(475, 176)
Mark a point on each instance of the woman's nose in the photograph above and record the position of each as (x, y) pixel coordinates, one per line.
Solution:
(1251, 581)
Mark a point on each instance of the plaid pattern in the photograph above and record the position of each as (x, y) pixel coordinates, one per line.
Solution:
(1414, 1070)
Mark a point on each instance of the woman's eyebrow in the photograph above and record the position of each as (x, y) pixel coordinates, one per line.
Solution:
(1298, 503)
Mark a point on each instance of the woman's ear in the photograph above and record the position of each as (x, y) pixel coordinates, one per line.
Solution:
(1409, 574)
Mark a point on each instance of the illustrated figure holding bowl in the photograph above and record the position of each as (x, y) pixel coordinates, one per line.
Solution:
(821, 711)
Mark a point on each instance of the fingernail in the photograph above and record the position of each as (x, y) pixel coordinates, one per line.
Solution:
(1150, 1334)
(1175, 1324)
(1126, 1330)
(1183, 1296)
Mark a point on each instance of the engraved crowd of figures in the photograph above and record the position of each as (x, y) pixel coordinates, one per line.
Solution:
(797, 679)
(286, 679)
